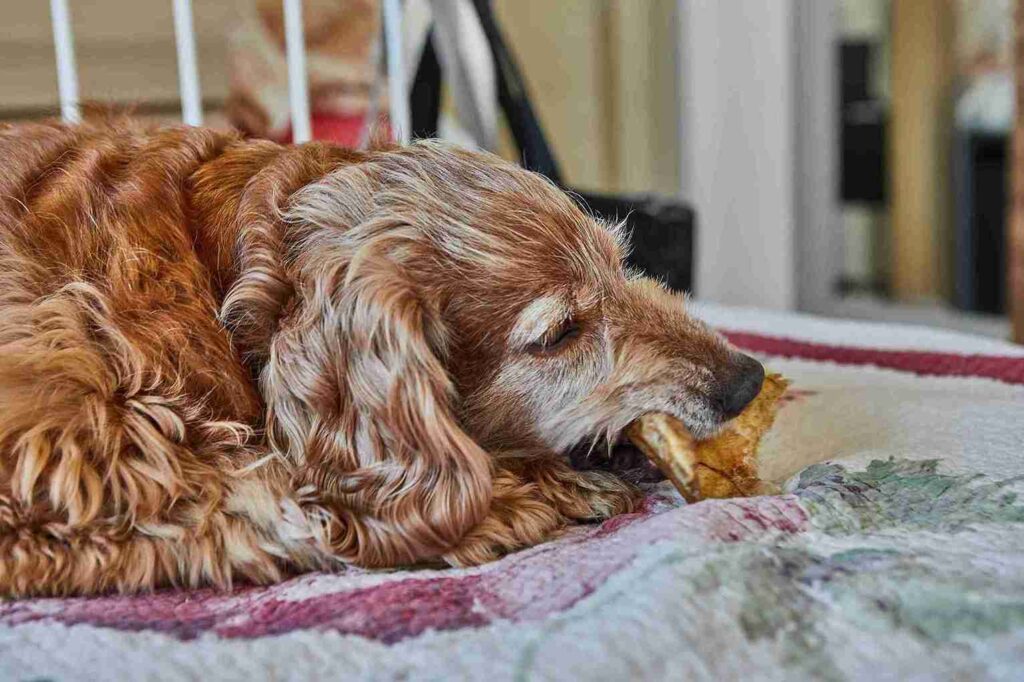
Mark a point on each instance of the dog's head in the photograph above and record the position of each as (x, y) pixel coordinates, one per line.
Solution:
(451, 308)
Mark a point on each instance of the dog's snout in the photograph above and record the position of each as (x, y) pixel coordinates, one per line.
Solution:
(740, 386)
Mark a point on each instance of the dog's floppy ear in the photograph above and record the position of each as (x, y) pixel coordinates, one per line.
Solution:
(359, 399)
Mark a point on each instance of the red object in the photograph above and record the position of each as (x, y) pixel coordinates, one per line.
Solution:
(1009, 370)
(344, 130)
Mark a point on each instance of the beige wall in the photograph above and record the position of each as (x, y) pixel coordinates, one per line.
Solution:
(603, 76)
(124, 48)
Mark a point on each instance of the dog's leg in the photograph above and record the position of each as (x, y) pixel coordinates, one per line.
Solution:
(535, 498)
(118, 470)
(246, 526)
(581, 495)
(43, 555)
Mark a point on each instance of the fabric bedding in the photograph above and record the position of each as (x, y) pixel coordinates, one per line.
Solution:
(895, 551)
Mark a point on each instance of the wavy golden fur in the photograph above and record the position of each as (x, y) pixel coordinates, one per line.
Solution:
(224, 359)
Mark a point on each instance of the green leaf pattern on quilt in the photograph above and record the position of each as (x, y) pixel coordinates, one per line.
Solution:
(893, 520)
(903, 494)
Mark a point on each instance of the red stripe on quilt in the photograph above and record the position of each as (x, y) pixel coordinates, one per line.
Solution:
(927, 363)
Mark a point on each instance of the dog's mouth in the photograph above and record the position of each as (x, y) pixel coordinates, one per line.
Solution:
(622, 458)
(616, 454)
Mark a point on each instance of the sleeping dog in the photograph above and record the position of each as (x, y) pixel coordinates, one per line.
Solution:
(226, 359)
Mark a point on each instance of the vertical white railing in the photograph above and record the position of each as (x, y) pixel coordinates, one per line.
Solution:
(188, 72)
(298, 86)
(398, 96)
(64, 45)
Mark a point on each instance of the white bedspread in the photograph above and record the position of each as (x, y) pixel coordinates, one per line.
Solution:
(896, 552)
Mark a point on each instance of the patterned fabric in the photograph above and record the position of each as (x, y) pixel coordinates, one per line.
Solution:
(895, 552)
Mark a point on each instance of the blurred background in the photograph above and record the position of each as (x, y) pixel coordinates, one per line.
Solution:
(846, 157)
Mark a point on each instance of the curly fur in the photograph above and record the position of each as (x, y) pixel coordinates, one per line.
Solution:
(224, 359)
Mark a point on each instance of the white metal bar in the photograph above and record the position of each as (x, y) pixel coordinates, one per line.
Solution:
(67, 77)
(398, 94)
(188, 72)
(298, 87)
(468, 67)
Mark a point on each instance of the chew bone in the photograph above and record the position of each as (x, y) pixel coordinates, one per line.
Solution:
(723, 466)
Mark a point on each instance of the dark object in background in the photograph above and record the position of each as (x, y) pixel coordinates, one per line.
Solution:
(662, 228)
(982, 172)
(855, 70)
(863, 120)
(425, 96)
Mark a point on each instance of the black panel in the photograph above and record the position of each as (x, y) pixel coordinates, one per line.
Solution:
(863, 123)
(981, 222)
(662, 233)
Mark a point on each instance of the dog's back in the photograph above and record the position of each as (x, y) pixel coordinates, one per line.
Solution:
(121, 395)
(73, 199)
(96, 237)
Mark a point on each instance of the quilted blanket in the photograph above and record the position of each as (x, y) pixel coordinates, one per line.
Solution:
(896, 551)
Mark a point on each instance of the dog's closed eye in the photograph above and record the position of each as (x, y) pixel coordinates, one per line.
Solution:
(556, 338)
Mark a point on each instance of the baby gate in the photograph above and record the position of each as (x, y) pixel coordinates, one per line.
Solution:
(188, 71)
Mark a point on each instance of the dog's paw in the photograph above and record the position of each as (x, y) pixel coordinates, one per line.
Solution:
(585, 495)
(520, 516)
(533, 500)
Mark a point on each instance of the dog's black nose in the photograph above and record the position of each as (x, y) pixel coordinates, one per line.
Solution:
(741, 386)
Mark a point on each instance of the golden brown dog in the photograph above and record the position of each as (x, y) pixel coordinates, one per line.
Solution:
(224, 359)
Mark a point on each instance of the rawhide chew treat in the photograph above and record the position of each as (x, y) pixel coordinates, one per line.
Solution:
(723, 466)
